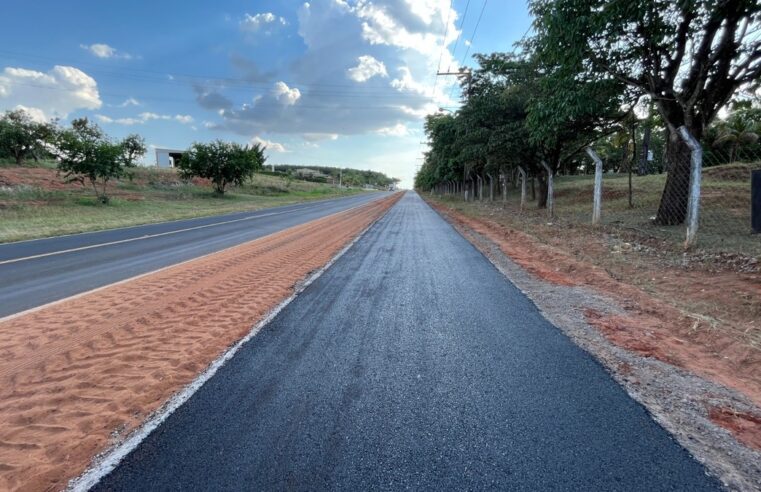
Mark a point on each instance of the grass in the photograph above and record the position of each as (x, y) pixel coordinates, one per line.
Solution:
(44, 207)
(724, 213)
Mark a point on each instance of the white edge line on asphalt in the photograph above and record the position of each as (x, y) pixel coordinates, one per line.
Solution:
(75, 296)
(109, 460)
(200, 217)
(138, 238)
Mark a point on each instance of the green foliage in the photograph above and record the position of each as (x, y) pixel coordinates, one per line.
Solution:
(21, 137)
(222, 162)
(348, 176)
(518, 112)
(738, 137)
(688, 56)
(86, 154)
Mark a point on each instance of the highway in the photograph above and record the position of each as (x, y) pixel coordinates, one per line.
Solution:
(412, 363)
(36, 272)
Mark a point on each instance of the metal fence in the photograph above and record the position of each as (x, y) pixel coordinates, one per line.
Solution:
(709, 203)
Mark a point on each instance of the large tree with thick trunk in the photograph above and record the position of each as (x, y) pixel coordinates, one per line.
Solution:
(688, 56)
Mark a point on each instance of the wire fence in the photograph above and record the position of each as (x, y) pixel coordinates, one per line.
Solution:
(651, 198)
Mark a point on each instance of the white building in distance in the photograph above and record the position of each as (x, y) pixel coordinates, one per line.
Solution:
(168, 157)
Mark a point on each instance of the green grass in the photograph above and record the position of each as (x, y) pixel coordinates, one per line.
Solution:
(43, 163)
(28, 212)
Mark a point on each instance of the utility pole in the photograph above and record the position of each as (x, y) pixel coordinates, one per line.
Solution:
(463, 71)
(340, 177)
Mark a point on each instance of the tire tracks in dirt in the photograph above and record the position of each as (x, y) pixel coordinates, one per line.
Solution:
(79, 375)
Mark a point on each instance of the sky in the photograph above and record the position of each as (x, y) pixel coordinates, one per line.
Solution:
(327, 82)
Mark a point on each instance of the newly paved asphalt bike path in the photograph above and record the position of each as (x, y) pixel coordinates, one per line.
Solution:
(28, 280)
(412, 363)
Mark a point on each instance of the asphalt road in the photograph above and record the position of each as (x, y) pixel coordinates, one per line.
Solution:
(33, 273)
(412, 363)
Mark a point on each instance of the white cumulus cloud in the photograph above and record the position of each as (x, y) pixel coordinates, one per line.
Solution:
(392, 47)
(102, 50)
(286, 95)
(269, 145)
(398, 130)
(131, 101)
(261, 22)
(54, 93)
(145, 117)
(367, 68)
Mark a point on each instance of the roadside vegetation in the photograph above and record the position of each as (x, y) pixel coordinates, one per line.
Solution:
(62, 180)
(618, 76)
(36, 202)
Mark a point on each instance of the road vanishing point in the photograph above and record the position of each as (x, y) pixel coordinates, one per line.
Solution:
(411, 363)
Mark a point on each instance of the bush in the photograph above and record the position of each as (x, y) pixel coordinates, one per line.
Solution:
(20, 136)
(86, 154)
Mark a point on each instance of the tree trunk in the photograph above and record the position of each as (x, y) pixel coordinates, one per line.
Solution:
(542, 201)
(673, 207)
(643, 163)
(631, 164)
(533, 190)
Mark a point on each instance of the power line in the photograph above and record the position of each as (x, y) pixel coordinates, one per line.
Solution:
(441, 51)
(151, 75)
(472, 37)
(459, 34)
(324, 107)
(515, 47)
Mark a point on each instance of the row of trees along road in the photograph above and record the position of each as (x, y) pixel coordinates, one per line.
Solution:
(85, 154)
(578, 79)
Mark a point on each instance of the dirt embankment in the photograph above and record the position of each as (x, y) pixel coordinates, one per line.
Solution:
(77, 376)
(652, 323)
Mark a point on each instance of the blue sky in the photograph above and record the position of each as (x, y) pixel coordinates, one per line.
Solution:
(325, 82)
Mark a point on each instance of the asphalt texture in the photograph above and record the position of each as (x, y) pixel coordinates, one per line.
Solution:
(39, 280)
(412, 363)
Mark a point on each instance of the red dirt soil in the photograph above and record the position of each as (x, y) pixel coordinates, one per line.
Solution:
(78, 375)
(746, 427)
(38, 177)
(650, 327)
(49, 179)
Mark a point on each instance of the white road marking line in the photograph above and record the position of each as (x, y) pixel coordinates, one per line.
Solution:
(110, 459)
(139, 238)
(311, 202)
(53, 303)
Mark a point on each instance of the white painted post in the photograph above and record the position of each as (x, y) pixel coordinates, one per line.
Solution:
(597, 206)
(523, 187)
(696, 171)
(550, 190)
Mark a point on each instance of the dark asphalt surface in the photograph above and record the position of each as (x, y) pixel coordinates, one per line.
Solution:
(412, 363)
(34, 282)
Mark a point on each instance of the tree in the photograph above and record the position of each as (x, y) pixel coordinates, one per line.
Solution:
(689, 57)
(222, 162)
(20, 136)
(86, 154)
(740, 130)
(134, 147)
